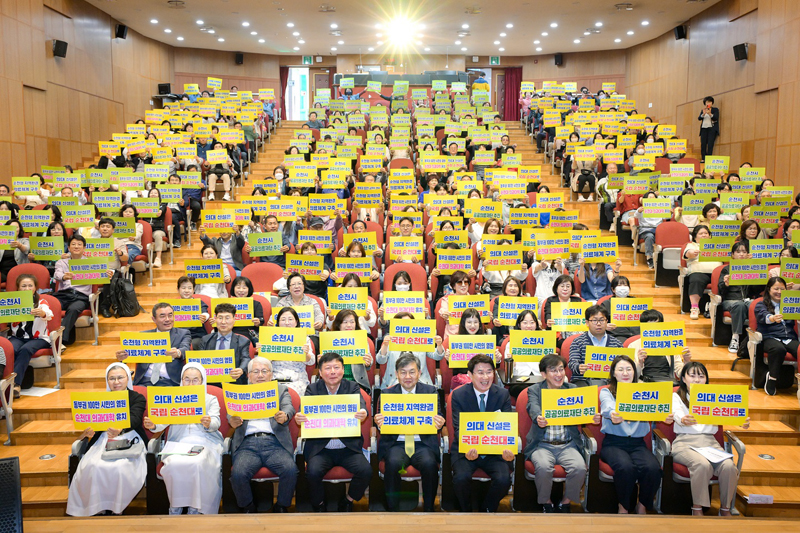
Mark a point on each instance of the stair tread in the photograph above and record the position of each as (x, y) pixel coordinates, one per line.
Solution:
(765, 426)
(51, 494)
(33, 427)
(30, 462)
(782, 495)
(786, 462)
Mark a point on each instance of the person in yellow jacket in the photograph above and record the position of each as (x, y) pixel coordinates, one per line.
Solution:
(480, 84)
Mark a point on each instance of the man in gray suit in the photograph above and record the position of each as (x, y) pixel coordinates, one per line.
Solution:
(225, 339)
(180, 341)
(264, 442)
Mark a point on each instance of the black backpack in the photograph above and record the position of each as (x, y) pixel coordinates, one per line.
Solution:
(123, 297)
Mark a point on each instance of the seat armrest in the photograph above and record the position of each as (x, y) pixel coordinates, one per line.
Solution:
(663, 445)
(739, 446)
(589, 444)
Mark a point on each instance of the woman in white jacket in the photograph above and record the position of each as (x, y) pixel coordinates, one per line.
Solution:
(29, 337)
(194, 481)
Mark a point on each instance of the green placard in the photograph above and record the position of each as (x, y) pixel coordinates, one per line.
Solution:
(89, 271)
(265, 244)
(47, 248)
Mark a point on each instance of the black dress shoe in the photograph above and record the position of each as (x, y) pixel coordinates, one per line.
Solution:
(249, 509)
(564, 508)
(279, 509)
(322, 508)
(106, 312)
(548, 508)
(345, 505)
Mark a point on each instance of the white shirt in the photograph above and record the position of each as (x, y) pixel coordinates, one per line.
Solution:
(149, 372)
(680, 410)
(260, 425)
(478, 396)
(402, 438)
(225, 253)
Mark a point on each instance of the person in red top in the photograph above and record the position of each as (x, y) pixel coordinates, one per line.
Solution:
(627, 204)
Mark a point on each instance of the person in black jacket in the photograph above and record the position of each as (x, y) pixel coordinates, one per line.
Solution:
(322, 454)
(736, 298)
(392, 448)
(709, 126)
(226, 339)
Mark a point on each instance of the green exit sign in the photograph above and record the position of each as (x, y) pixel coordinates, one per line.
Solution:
(494, 60)
(309, 60)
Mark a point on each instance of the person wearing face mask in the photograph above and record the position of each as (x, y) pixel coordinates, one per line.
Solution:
(102, 486)
(621, 288)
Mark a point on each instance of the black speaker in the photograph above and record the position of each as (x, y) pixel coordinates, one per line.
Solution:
(10, 495)
(59, 48)
(164, 88)
(122, 31)
(559, 59)
(740, 51)
(680, 32)
(239, 59)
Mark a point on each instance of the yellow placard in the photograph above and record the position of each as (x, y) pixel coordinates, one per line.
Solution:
(217, 221)
(413, 335)
(719, 404)
(509, 308)
(218, 364)
(395, 302)
(626, 311)
(549, 247)
(458, 304)
(569, 316)
(599, 250)
(351, 345)
(648, 402)
(216, 157)
(360, 266)
(205, 270)
(663, 338)
(488, 433)
(405, 248)
(283, 344)
(331, 416)
(244, 309)
(409, 414)
(322, 240)
(482, 209)
(599, 359)
(568, 407)
(146, 347)
(309, 266)
(368, 239)
(100, 410)
(352, 298)
(176, 405)
(465, 347)
(503, 258)
(253, 401)
(450, 261)
(531, 346)
(368, 195)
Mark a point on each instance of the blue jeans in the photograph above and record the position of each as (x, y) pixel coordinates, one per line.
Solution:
(649, 237)
(133, 251)
(257, 452)
(23, 352)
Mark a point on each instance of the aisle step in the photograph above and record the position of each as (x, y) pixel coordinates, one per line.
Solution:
(786, 501)
(771, 465)
(47, 501)
(45, 432)
(84, 378)
(40, 465)
(767, 432)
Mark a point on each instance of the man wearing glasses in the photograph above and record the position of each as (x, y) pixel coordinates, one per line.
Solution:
(263, 442)
(597, 320)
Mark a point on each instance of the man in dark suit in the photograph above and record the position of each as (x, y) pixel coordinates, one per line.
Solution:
(709, 126)
(225, 339)
(263, 442)
(323, 454)
(392, 448)
(482, 395)
(180, 341)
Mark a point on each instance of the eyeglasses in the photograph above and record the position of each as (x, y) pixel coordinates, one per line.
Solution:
(598, 321)
(557, 370)
(117, 379)
(262, 372)
(192, 381)
(463, 282)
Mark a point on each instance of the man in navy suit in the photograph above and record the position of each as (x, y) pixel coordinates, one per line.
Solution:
(323, 454)
(392, 448)
(225, 339)
(180, 341)
(482, 395)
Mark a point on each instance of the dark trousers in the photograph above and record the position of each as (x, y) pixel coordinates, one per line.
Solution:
(424, 460)
(698, 282)
(632, 461)
(178, 217)
(257, 452)
(196, 207)
(495, 467)
(73, 303)
(583, 179)
(707, 138)
(353, 462)
(23, 352)
(774, 349)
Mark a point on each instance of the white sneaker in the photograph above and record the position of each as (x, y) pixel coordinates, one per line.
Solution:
(211, 197)
(157, 263)
(581, 198)
(591, 198)
(227, 197)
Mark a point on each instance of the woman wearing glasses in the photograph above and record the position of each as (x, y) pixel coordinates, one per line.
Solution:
(460, 282)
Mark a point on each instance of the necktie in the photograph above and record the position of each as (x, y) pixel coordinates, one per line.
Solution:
(409, 446)
(156, 374)
(483, 403)
(221, 343)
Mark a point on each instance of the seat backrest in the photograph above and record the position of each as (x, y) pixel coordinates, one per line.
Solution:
(141, 389)
(715, 279)
(523, 418)
(294, 429)
(224, 427)
(662, 165)
(631, 340)
(55, 307)
(530, 283)
(207, 301)
(419, 279)
(8, 350)
(147, 234)
(604, 298)
(751, 313)
(671, 234)
(262, 275)
(321, 302)
(690, 161)
(232, 274)
(441, 323)
(566, 345)
(683, 259)
(266, 306)
(167, 219)
(40, 271)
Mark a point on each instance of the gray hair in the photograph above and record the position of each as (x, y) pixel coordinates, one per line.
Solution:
(405, 359)
(258, 359)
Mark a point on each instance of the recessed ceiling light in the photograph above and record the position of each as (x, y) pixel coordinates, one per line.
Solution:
(290, 24)
(378, 26)
(167, 30)
(554, 24)
(463, 49)
(378, 35)
(503, 34)
(296, 48)
(245, 24)
(153, 21)
(380, 43)
(200, 22)
(539, 49)
(211, 31)
(262, 41)
(536, 42)
(341, 42)
(509, 25)
(221, 40)
(419, 43)
(253, 33)
(617, 40)
(421, 26)
(458, 42)
(465, 26)
(545, 34)
(645, 23)
(497, 42)
(587, 33)
(598, 24)
(180, 38)
(370, 49)
(577, 41)
(334, 26)
(333, 48)
(301, 41)
(502, 49)
(630, 33)
(427, 49)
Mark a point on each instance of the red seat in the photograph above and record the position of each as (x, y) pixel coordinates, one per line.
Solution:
(263, 276)
(265, 474)
(419, 278)
(7, 387)
(670, 237)
(755, 338)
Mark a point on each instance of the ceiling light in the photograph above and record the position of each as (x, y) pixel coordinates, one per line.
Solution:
(554, 24)
(370, 49)
(221, 40)
(296, 33)
(630, 33)
(463, 49)
(421, 26)
(577, 41)
(378, 35)
(180, 38)
(301, 41)
(245, 24)
(211, 31)
(503, 34)
(333, 48)
(341, 42)
(253, 33)
(539, 49)
(502, 49)
(536, 42)
(427, 49)
(380, 43)
(458, 42)
(645, 23)
(400, 31)
(262, 41)
(497, 42)
(167, 30)
(465, 26)
(545, 34)
(290, 24)
(617, 40)
(598, 24)
(200, 22)
(334, 26)
(509, 25)
(296, 48)
(419, 43)
(587, 33)
(378, 26)
(153, 21)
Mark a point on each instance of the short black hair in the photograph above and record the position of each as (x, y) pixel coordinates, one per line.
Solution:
(478, 359)
(76, 237)
(106, 220)
(550, 360)
(327, 357)
(651, 315)
(595, 310)
(241, 279)
(225, 308)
